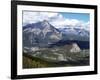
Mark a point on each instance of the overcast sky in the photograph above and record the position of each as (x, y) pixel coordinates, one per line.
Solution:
(58, 19)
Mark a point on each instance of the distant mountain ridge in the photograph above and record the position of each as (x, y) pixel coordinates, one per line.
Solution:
(75, 34)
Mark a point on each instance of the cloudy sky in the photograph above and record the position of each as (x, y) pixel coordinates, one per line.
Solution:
(58, 19)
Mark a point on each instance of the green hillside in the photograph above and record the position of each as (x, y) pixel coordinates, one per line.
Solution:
(34, 62)
(30, 61)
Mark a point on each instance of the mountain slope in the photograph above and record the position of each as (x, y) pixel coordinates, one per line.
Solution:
(44, 41)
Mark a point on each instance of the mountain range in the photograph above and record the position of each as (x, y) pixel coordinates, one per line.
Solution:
(44, 34)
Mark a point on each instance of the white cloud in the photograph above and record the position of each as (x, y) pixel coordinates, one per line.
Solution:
(56, 19)
(48, 14)
(33, 17)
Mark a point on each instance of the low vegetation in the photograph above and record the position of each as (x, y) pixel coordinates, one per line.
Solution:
(39, 61)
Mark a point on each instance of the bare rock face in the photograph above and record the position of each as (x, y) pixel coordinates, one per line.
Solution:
(40, 34)
(75, 48)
